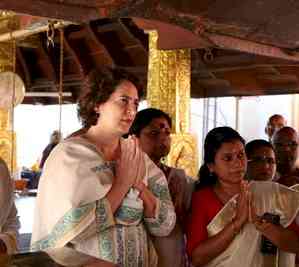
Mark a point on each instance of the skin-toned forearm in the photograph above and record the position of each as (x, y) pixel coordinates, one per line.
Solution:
(283, 238)
(214, 246)
(149, 203)
(116, 195)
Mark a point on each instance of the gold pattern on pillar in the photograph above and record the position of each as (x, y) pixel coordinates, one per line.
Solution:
(6, 141)
(169, 75)
(8, 23)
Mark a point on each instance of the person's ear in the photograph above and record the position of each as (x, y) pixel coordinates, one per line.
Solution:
(97, 108)
(211, 167)
(266, 130)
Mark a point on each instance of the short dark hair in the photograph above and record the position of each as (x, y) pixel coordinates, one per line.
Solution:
(97, 88)
(144, 117)
(256, 144)
(213, 141)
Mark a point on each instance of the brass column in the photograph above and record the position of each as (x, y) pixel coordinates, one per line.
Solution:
(8, 22)
(169, 76)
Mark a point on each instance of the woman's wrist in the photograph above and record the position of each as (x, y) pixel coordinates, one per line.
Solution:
(236, 226)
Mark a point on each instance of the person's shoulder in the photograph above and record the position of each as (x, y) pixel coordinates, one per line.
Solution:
(75, 148)
(74, 142)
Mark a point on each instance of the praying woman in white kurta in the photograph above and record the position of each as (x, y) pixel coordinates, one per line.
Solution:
(99, 193)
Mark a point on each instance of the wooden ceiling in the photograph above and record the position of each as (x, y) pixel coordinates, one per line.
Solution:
(239, 48)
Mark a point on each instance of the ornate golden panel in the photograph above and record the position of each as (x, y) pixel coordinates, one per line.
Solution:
(7, 150)
(4, 119)
(183, 153)
(169, 76)
(168, 89)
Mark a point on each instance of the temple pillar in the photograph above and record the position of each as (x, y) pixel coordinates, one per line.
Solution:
(168, 89)
(8, 22)
(7, 141)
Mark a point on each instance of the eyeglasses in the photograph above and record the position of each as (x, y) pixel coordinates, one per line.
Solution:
(262, 160)
(292, 145)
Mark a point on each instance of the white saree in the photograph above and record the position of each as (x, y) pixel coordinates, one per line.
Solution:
(72, 209)
(244, 250)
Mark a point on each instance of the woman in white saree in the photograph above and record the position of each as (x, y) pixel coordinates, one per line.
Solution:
(226, 225)
(99, 193)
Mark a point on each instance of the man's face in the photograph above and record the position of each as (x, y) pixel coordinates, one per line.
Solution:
(155, 139)
(261, 164)
(286, 149)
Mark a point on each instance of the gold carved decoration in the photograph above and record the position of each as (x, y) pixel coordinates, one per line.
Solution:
(8, 23)
(7, 141)
(4, 119)
(169, 76)
(183, 153)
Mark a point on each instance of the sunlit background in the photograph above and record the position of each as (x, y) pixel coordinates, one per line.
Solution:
(34, 123)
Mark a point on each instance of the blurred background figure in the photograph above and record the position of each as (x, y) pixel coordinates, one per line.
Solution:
(55, 138)
(9, 222)
(261, 162)
(274, 123)
(285, 143)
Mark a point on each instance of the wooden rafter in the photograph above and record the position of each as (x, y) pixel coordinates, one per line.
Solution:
(24, 66)
(59, 10)
(107, 59)
(46, 64)
(74, 57)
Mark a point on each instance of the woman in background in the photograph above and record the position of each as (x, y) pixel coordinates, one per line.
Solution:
(152, 127)
(228, 218)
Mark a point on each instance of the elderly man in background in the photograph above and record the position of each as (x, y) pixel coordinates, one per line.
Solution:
(274, 123)
(285, 143)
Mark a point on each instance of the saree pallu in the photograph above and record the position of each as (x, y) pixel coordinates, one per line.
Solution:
(72, 209)
(244, 250)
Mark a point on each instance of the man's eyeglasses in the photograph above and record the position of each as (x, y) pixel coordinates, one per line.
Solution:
(292, 145)
(262, 160)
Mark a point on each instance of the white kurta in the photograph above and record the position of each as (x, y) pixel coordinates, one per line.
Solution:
(72, 207)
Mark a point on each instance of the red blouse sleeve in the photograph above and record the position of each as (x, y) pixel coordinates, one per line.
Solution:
(294, 227)
(204, 206)
(197, 224)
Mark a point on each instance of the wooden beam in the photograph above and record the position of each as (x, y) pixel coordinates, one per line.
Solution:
(55, 10)
(278, 80)
(105, 58)
(220, 89)
(233, 43)
(24, 67)
(45, 63)
(86, 3)
(74, 57)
